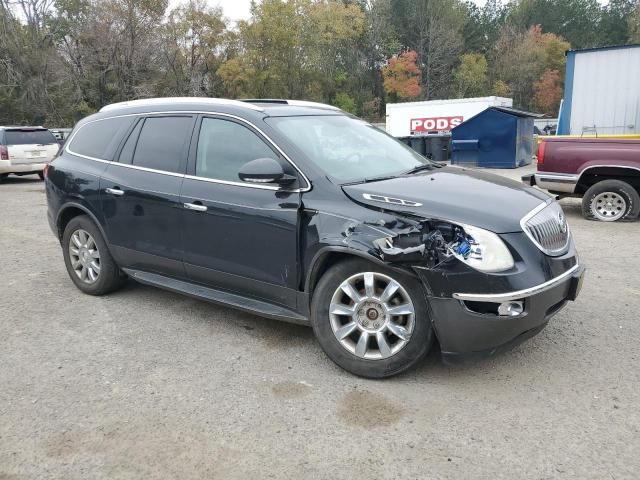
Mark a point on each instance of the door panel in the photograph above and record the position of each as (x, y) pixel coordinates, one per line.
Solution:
(144, 222)
(237, 236)
(141, 195)
(245, 242)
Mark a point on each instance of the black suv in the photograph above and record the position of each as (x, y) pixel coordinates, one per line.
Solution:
(300, 212)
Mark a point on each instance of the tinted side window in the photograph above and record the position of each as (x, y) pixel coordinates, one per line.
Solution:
(161, 143)
(225, 146)
(99, 139)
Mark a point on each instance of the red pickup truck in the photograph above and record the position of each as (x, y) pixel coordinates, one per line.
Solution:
(604, 172)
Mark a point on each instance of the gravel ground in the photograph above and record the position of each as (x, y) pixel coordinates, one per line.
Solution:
(149, 384)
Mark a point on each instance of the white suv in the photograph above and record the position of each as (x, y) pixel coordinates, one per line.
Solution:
(25, 150)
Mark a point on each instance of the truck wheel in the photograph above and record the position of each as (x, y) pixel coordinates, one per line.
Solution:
(87, 258)
(371, 321)
(610, 201)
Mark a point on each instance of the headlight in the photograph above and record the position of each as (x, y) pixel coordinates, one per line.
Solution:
(481, 249)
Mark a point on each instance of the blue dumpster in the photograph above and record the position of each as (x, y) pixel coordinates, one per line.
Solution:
(498, 137)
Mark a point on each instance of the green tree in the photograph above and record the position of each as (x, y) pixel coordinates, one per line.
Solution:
(83, 40)
(331, 28)
(501, 89)
(136, 23)
(378, 42)
(433, 28)
(191, 38)
(345, 102)
(634, 24)
(615, 27)
(32, 85)
(470, 77)
(520, 59)
(298, 48)
(63, 59)
(269, 40)
(482, 28)
(575, 20)
(110, 47)
(237, 78)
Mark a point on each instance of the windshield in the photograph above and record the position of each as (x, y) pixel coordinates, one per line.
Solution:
(29, 137)
(348, 149)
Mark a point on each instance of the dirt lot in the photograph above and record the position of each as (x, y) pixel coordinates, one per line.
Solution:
(148, 384)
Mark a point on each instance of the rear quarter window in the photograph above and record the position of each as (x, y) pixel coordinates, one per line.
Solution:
(29, 137)
(99, 139)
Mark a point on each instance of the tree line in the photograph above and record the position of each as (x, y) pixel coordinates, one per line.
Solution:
(61, 60)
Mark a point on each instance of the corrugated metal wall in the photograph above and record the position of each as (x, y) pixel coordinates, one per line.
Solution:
(606, 91)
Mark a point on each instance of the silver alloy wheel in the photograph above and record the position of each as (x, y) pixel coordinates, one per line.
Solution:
(84, 256)
(372, 315)
(608, 206)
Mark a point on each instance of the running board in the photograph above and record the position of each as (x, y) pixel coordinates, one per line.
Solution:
(219, 297)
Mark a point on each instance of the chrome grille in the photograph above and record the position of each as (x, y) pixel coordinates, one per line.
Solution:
(547, 227)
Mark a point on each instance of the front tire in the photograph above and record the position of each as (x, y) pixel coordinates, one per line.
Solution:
(370, 320)
(87, 258)
(611, 201)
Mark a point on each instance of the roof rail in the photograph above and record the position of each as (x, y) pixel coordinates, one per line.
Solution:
(170, 100)
(295, 103)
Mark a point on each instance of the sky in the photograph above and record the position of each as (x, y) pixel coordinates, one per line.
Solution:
(233, 9)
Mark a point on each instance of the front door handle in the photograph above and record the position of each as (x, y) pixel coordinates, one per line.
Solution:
(198, 207)
(114, 191)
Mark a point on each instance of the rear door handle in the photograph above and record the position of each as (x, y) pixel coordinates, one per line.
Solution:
(114, 191)
(198, 207)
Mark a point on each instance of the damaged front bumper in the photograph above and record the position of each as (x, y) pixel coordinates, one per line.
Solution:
(469, 325)
(474, 312)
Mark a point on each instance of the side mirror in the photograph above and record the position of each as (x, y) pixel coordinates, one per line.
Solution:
(264, 170)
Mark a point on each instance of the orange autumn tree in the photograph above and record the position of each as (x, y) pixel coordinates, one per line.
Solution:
(548, 92)
(401, 76)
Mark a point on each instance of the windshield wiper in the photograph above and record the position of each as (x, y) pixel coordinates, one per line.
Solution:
(371, 179)
(420, 168)
(424, 166)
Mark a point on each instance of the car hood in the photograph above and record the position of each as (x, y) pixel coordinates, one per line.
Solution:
(457, 194)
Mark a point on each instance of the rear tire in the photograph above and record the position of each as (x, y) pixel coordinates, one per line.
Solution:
(391, 315)
(611, 201)
(87, 258)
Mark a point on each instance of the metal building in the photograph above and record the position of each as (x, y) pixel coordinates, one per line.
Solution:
(602, 92)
